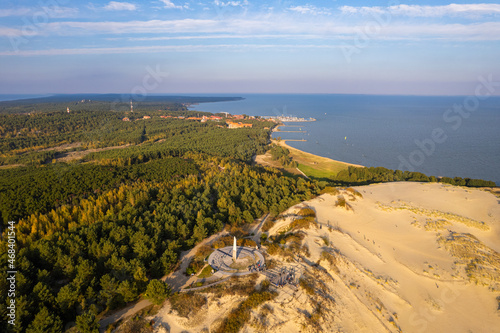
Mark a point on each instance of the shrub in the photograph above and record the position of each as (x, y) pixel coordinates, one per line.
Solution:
(302, 223)
(353, 191)
(331, 190)
(274, 249)
(307, 211)
(157, 291)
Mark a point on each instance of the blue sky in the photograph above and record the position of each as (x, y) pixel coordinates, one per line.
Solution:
(176, 46)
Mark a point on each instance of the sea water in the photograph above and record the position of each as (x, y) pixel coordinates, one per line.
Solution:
(433, 135)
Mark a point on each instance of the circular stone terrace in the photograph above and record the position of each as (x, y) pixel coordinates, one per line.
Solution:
(247, 261)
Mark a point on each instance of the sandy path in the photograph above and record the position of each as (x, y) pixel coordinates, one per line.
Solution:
(177, 280)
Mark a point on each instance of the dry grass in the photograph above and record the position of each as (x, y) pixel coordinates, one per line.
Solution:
(436, 225)
(342, 202)
(436, 214)
(240, 286)
(354, 192)
(187, 303)
(481, 263)
(330, 190)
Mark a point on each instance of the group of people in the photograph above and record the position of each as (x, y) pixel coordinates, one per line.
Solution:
(258, 267)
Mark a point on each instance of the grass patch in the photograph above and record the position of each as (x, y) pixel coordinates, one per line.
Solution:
(206, 272)
(311, 171)
(313, 165)
(198, 260)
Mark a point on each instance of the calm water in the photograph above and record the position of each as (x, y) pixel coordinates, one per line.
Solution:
(397, 132)
(13, 97)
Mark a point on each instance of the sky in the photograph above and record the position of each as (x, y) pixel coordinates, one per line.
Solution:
(182, 46)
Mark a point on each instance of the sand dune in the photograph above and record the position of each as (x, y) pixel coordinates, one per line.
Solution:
(407, 257)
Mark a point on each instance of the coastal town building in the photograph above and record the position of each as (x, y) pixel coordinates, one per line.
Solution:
(238, 125)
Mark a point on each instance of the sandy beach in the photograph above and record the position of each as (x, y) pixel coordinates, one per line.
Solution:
(410, 257)
(299, 152)
(313, 156)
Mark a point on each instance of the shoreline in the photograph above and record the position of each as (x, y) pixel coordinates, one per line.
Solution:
(283, 143)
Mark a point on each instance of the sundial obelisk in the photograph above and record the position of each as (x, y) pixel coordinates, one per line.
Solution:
(234, 249)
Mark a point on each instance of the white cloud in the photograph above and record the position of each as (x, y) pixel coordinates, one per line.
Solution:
(15, 11)
(231, 3)
(51, 12)
(428, 11)
(170, 5)
(309, 9)
(114, 5)
(9, 32)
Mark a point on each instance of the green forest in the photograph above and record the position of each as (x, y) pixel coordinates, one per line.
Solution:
(92, 232)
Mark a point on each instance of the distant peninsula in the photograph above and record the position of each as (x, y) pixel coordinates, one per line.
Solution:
(61, 98)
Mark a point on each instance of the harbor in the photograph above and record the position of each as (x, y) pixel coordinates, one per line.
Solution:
(289, 119)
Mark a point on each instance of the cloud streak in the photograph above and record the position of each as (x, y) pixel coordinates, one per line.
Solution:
(475, 31)
(53, 12)
(170, 5)
(470, 10)
(310, 10)
(114, 5)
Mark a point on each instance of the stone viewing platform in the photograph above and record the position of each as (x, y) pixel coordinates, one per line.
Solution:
(236, 260)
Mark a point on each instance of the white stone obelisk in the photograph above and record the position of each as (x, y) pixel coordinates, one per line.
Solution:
(234, 249)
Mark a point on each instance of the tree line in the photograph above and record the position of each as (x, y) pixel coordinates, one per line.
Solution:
(365, 176)
(100, 252)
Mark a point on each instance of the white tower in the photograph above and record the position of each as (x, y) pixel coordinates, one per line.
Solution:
(234, 249)
(131, 106)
